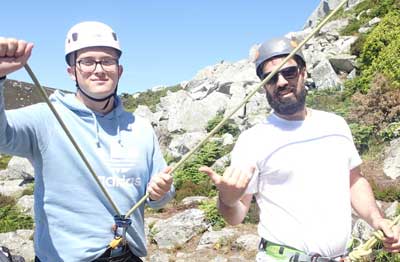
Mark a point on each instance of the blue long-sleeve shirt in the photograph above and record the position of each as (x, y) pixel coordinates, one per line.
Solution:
(73, 217)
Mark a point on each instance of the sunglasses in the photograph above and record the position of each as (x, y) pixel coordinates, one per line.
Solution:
(288, 73)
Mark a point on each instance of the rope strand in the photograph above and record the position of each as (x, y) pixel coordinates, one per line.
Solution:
(366, 249)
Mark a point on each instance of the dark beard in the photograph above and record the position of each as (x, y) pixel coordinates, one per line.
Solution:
(287, 107)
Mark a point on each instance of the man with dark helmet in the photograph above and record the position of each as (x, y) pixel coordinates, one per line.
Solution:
(73, 218)
(303, 169)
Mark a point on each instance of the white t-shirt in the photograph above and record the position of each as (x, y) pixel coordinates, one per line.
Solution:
(302, 182)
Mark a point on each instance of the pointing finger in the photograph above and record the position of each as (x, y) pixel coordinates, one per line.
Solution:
(213, 175)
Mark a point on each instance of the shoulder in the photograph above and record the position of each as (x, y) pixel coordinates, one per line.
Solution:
(331, 122)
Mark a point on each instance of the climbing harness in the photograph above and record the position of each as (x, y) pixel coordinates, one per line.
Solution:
(286, 253)
(121, 224)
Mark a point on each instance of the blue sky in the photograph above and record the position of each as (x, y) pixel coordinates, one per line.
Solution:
(164, 42)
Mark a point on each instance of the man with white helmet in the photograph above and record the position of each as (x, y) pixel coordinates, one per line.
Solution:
(303, 169)
(73, 218)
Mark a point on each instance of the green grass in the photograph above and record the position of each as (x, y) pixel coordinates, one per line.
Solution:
(4, 161)
(11, 218)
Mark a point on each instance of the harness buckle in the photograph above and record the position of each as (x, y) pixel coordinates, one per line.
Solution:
(314, 257)
(121, 225)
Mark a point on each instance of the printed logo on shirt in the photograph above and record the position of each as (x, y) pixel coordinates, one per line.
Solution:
(114, 181)
(122, 159)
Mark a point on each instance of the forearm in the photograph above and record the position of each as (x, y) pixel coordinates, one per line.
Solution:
(363, 200)
(235, 214)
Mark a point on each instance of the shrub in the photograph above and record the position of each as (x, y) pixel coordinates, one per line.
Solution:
(330, 100)
(203, 188)
(379, 107)
(361, 135)
(207, 155)
(383, 256)
(379, 53)
(391, 132)
(388, 62)
(149, 98)
(387, 193)
(229, 126)
(376, 8)
(357, 46)
(212, 214)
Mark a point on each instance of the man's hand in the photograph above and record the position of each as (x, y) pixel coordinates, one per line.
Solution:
(13, 54)
(391, 240)
(160, 184)
(231, 185)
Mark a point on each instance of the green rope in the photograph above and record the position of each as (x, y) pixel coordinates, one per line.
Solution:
(365, 249)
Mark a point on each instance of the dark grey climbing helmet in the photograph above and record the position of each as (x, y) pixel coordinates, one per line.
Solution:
(273, 48)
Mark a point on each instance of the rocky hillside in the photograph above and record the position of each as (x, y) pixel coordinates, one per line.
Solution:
(189, 228)
(19, 94)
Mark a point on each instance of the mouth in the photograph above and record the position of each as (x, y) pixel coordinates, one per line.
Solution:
(284, 92)
(99, 81)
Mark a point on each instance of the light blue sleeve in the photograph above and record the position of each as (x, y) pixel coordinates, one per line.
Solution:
(18, 129)
(158, 166)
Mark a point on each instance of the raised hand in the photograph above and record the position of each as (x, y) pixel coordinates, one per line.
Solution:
(232, 184)
(14, 54)
(160, 184)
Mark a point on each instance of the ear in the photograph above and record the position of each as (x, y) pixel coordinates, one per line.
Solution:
(304, 72)
(120, 70)
(71, 72)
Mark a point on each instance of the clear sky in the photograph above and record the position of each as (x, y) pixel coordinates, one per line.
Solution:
(164, 42)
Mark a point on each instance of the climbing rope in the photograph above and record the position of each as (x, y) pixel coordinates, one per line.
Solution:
(246, 99)
(365, 249)
(122, 221)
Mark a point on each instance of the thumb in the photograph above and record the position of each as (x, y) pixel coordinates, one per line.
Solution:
(213, 175)
(387, 230)
(167, 170)
(28, 51)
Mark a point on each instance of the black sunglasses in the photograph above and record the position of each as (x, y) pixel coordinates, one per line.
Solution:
(288, 73)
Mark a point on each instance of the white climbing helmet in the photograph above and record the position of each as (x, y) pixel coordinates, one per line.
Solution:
(90, 34)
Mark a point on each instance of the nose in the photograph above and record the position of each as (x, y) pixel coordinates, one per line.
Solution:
(98, 68)
(281, 80)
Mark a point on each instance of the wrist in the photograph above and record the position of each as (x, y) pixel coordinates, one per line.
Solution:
(226, 203)
(3, 77)
(376, 218)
